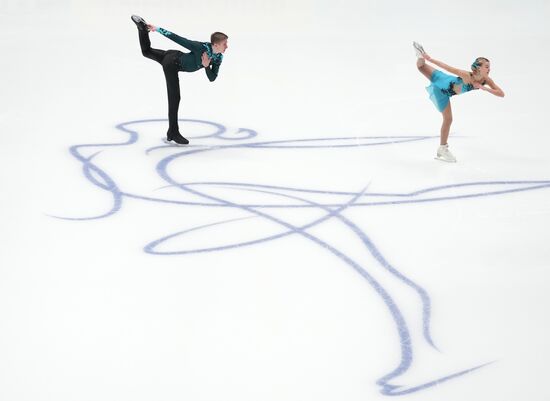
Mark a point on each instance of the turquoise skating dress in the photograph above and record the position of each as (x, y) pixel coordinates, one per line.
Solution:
(442, 88)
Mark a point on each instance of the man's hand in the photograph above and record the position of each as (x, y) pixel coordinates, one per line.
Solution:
(205, 60)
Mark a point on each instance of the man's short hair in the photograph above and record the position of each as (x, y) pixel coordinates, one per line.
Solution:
(218, 37)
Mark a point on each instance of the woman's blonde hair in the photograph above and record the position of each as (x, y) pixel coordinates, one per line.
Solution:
(478, 62)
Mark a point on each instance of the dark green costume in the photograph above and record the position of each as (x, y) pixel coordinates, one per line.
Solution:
(173, 61)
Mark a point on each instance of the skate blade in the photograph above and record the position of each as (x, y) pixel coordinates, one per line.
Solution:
(418, 47)
(166, 141)
(444, 160)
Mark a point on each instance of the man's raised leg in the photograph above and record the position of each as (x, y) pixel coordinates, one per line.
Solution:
(145, 42)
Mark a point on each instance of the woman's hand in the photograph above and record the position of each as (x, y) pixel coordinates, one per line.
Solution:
(477, 85)
(205, 60)
(427, 57)
(151, 28)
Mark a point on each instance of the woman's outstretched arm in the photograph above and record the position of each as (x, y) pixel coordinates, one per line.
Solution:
(461, 73)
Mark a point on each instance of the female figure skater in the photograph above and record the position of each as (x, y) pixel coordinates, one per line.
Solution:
(207, 55)
(443, 86)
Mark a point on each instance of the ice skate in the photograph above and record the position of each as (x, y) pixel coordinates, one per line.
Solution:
(419, 50)
(445, 155)
(176, 137)
(140, 22)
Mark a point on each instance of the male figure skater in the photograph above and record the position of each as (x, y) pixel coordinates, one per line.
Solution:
(207, 55)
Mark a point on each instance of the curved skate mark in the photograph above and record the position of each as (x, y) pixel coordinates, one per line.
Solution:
(394, 390)
(99, 177)
(401, 326)
(290, 228)
(374, 251)
(425, 299)
(295, 198)
(518, 186)
(407, 354)
(241, 135)
(400, 323)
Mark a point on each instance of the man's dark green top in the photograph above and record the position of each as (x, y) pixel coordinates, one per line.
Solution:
(192, 61)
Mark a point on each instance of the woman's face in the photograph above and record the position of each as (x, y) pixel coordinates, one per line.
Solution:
(485, 68)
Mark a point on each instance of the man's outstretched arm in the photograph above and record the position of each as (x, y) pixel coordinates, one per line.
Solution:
(188, 44)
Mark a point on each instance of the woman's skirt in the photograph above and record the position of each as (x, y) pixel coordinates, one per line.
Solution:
(439, 89)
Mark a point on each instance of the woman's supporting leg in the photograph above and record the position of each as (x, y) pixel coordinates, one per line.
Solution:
(446, 125)
(443, 152)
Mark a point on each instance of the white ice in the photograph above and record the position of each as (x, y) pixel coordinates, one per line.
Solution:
(119, 307)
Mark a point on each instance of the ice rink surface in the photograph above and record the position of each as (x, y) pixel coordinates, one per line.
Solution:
(305, 245)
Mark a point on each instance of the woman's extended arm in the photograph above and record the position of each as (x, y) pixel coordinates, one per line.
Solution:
(461, 73)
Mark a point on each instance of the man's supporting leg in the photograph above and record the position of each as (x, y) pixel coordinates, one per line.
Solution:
(173, 89)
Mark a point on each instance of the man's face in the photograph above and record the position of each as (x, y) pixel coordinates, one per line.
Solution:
(220, 47)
